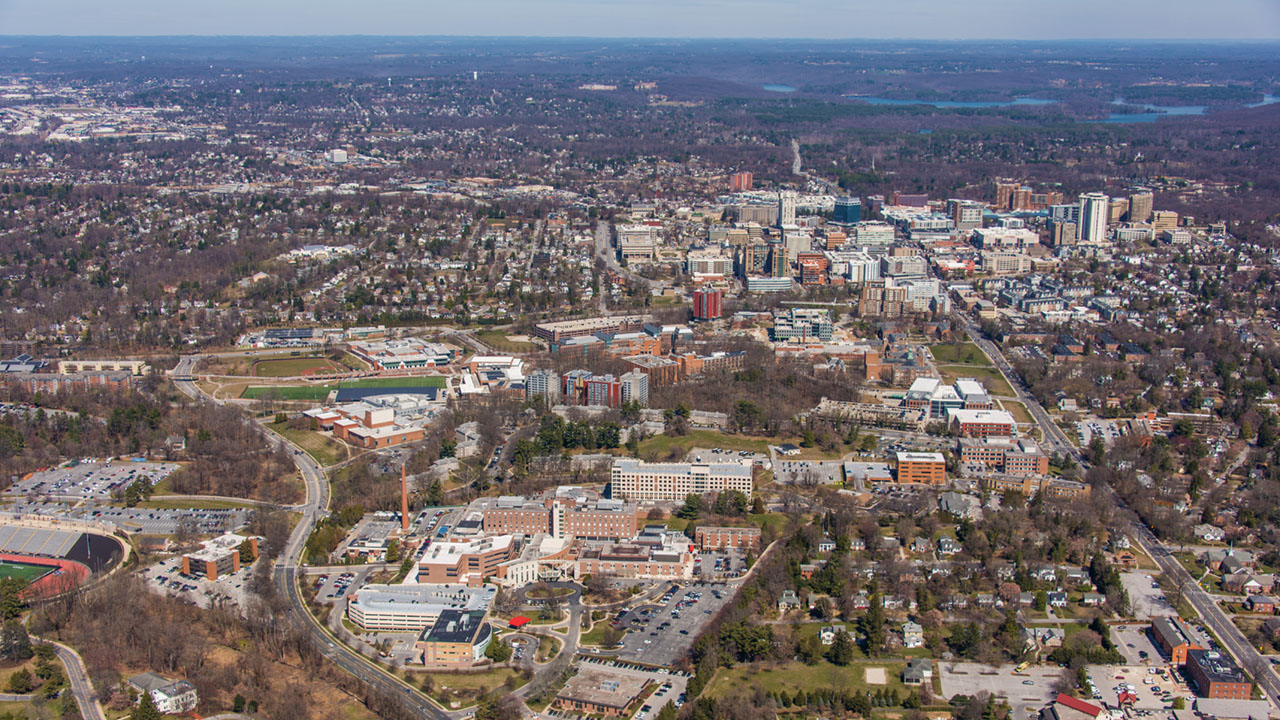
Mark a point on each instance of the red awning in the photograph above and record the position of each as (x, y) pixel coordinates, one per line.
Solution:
(519, 621)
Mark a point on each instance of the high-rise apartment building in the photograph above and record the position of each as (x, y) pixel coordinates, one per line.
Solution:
(707, 303)
(786, 208)
(634, 387)
(741, 181)
(965, 214)
(543, 384)
(1093, 218)
(1141, 204)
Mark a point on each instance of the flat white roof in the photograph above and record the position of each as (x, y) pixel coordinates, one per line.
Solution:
(921, 457)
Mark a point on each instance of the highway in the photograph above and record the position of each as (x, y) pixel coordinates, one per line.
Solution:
(1228, 634)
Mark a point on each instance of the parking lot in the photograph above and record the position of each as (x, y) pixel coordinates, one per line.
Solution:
(722, 565)
(664, 632)
(1145, 595)
(1135, 643)
(166, 577)
(1027, 692)
(197, 521)
(1154, 687)
(335, 587)
(1086, 430)
(100, 480)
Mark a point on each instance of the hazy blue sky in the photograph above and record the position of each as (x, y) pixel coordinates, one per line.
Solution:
(1032, 19)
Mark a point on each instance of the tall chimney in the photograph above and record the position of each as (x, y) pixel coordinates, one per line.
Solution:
(404, 502)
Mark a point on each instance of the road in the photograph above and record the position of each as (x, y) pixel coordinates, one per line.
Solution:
(1228, 634)
(288, 569)
(1053, 434)
(79, 679)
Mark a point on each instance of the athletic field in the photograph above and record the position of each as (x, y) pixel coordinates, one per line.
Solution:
(23, 571)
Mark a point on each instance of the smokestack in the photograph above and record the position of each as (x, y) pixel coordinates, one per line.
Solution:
(404, 502)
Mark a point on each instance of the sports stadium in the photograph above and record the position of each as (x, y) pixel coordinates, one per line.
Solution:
(54, 560)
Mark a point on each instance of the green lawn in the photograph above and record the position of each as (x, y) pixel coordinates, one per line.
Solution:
(662, 444)
(23, 571)
(325, 450)
(288, 392)
(959, 354)
(595, 636)
(989, 376)
(314, 365)
(498, 340)
(1018, 410)
(792, 676)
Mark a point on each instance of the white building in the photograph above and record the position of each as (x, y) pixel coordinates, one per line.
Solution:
(1094, 210)
(171, 697)
(638, 480)
(411, 607)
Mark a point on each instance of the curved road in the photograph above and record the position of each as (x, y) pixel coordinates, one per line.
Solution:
(1228, 634)
(287, 571)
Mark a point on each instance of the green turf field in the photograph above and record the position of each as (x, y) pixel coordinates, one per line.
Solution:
(320, 392)
(23, 571)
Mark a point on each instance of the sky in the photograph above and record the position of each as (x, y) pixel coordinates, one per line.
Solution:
(827, 19)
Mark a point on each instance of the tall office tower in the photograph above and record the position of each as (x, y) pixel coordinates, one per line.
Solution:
(1117, 210)
(848, 210)
(965, 214)
(755, 259)
(1004, 194)
(741, 181)
(778, 263)
(1141, 203)
(1069, 213)
(1062, 232)
(707, 303)
(786, 208)
(1093, 218)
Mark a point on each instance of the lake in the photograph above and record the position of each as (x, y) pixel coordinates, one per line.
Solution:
(949, 104)
(779, 88)
(1155, 112)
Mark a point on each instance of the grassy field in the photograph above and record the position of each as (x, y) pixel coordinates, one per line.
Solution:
(958, 354)
(792, 676)
(288, 392)
(498, 340)
(467, 687)
(595, 636)
(290, 367)
(23, 571)
(662, 444)
(989, 376)
(325, 450)
(1018, 410)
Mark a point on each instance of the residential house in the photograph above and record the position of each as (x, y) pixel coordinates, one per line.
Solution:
(918, 671)
(1261, 604)
(1057, 599)
(912, 635)
(828, 634)
(1209, 533)
(1092, 599)
(788, 601)
(171, 697)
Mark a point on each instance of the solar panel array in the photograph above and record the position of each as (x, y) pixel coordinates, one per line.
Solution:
(37, 541)
(288, 333)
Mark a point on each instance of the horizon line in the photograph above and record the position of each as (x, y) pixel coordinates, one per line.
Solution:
(657, 38)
